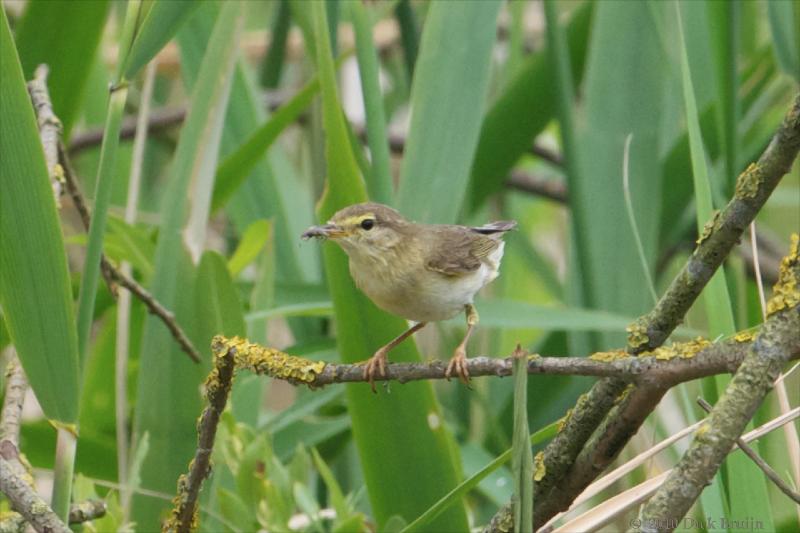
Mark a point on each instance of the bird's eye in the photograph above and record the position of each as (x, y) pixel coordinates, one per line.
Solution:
(367, 224)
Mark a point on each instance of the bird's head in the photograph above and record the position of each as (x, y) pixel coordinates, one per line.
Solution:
(363, 229)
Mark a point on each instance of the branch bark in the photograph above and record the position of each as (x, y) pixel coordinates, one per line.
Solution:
(604, 414)
(736, 407)
(25, 500)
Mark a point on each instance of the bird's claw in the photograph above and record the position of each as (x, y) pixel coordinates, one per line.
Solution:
(376, 362)
(458, 364)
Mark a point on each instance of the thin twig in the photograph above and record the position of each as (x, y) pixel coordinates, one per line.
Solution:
(10, 421)
(749, 452)
(153, 305)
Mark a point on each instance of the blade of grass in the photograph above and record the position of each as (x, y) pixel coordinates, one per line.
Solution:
(783, 19)
(273, 60)
(470, 483)
(409, 34)
(64, 36)
(522, 460)
(236, 167)
(167, 401)
(160, 24)
(379, 179)
(414, 433)
(448, 99)
(35, 292)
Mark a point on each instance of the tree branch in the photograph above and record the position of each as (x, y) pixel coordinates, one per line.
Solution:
(755, 377)
(760, 463)
(25, 500)
(49, 126)
(624, 414)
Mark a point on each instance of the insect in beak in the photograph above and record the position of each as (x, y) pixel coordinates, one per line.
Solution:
(326, 231)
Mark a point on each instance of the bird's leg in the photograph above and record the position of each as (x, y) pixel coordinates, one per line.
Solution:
(379, 360)
(458, 362)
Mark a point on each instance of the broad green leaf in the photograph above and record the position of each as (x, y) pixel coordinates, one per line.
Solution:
(415, 433)
(448, 98)
(64, 36)
(161, 23)
(219, 312)
(522, 457)
(251, 244)
(34, 281)
(168, 402)
(520, 113)
(624, 45)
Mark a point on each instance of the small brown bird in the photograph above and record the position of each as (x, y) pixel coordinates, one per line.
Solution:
(421, 272)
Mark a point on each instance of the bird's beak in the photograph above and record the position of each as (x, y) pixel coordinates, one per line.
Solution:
(331, 231)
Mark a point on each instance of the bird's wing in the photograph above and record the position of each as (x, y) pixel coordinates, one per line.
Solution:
(458, 252)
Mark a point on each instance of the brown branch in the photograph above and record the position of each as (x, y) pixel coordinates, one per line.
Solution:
(760, 463)
(604, 414)
(665, 367)
(86, 511)
(532, 184)
(49, 126)
(11, 418)
(25, 500)
(114, 275)
(218, 386)
(729, 417)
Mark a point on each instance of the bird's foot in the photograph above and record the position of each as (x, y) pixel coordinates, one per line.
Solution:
(458, 364)
(376, 362)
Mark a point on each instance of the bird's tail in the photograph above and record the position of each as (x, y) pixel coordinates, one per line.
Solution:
(501, 226)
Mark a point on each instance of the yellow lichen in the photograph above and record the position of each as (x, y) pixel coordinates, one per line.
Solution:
(748, 182)
(608, 357)
(268, 361)
(708, 228)
(563, 420)
(702, 430)
(684, 350)
(539, 470)
(533, 356)
(786, 292)
(744, 336)
(637, 334)
(624, 394)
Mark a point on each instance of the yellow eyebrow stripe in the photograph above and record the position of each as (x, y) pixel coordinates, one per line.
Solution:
(356, 220)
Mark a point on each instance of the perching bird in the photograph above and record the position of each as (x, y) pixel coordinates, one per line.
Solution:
(421, 272)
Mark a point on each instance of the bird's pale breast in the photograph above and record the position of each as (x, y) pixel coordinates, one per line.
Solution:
(420, 294)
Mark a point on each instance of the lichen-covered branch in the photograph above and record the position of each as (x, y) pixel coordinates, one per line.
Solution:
(79, 513)
(663, 367)
(760, 463)
(16, 385)
(218, 386)
(722, 233)
(754, 379)
(25, 500)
